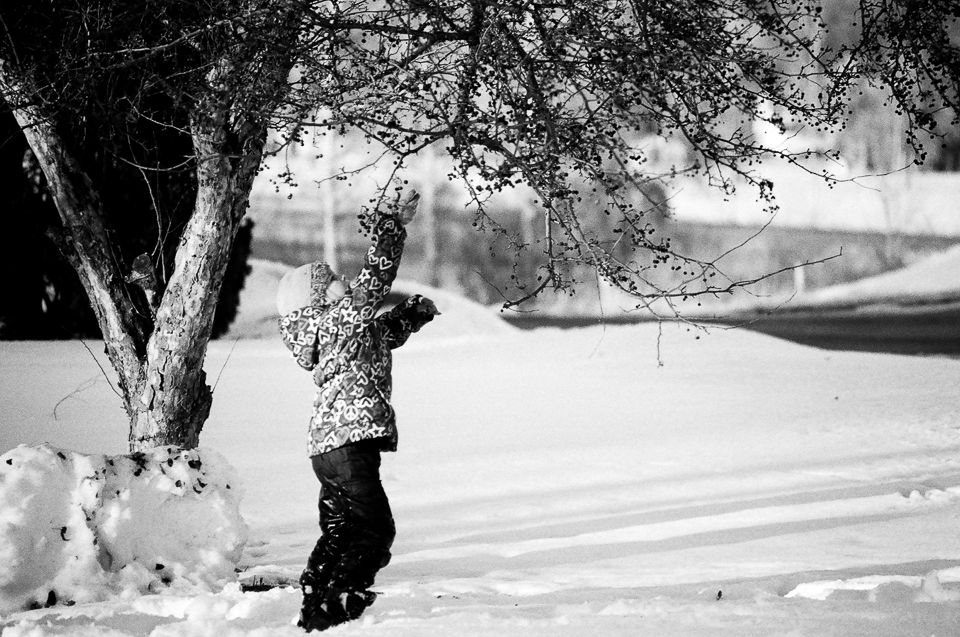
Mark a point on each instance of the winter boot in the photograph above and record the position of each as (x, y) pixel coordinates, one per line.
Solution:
(314, 584)
(313, 611)
(352, 603)
(334, 607)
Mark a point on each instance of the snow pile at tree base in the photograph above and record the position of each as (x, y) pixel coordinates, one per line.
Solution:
(83, 528)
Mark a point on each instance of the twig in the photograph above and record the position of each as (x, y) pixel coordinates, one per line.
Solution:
(659, 336)
(237, 340)
(603, 325)
(102, 370)
(81, 387)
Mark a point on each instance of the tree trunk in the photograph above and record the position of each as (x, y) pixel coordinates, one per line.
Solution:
(175, 400)
(85, 243)
(159, 357)
(161, 377)
(229, 130)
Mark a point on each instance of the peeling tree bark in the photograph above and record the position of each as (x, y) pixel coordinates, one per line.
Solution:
(175, 400)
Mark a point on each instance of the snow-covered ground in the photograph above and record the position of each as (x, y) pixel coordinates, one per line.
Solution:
(635, 480)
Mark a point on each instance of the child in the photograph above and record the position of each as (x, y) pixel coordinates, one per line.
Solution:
(333, 330)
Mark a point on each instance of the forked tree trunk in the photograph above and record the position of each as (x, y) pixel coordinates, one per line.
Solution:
(160, 366)
(175, 399)
(159, 356)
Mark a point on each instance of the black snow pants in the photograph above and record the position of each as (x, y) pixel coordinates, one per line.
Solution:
(358, 528)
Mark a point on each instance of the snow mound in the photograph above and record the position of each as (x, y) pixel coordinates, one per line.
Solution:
(459, 315)
(84, 528)
(930, 280)
(907, 588)
(257, 314)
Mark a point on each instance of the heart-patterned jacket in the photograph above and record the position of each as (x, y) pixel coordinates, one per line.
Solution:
(347, 347)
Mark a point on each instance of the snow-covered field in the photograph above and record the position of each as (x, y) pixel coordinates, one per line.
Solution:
(637, 480)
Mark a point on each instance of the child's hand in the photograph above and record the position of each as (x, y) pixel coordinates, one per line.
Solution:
(426, 306)
(407, 209)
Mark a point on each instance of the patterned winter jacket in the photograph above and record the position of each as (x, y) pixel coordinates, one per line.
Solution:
(347, 347)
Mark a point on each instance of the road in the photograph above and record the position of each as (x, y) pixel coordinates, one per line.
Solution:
(920, 330)
(915, 330)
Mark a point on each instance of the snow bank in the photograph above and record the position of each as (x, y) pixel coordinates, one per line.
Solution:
(460, 318)
(933, 279)
(257, 314)
(83, 528)
(874, 588)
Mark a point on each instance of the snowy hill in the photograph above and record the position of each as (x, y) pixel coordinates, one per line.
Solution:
(935, 279)
(257, 314)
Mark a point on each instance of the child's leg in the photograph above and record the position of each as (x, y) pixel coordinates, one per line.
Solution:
(326, 553)
(358, 529)
(315, 579)
(370, 531)
(358, 521)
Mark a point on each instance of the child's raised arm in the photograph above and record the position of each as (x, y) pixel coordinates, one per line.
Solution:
(372, 285)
